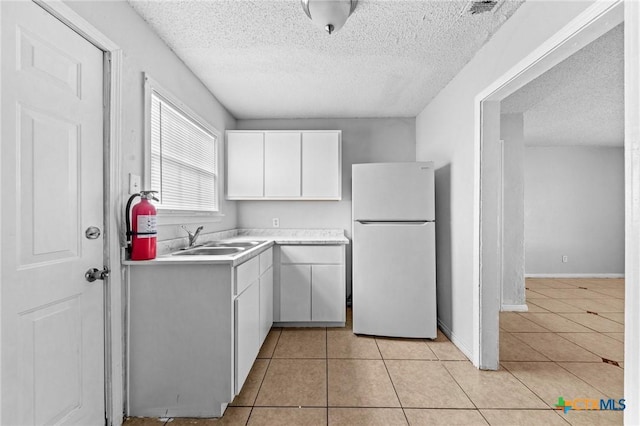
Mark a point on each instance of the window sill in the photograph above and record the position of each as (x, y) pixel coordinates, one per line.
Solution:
(182, 217)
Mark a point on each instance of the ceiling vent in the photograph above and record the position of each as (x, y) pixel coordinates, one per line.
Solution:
(475, 7)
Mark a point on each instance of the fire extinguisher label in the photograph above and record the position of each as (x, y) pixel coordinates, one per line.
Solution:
(147, 226)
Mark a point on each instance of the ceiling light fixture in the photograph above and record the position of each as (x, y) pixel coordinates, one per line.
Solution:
(330, 15)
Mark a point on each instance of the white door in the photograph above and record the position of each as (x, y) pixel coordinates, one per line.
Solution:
(51, 157)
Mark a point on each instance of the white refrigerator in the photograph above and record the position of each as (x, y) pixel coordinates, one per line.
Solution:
(394, 262)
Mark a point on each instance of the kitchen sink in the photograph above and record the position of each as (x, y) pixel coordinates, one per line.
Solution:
(234, 244)
(209, 251)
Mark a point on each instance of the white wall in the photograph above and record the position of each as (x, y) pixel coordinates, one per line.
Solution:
(143, 52)
(445, 135)
(512, 133)
(574, 206)
(363, 141)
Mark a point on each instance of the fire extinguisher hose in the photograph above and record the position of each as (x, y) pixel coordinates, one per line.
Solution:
(128, 220)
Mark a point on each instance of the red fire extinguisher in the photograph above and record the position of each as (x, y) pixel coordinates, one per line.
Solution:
(142, 236)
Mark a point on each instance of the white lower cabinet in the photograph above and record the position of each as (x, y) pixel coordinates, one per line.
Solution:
(181, 352)
(253, 312)
(195, 330)
(247, 319)
(295, 293)
(327, 293)
(266, 296)
(312, 284)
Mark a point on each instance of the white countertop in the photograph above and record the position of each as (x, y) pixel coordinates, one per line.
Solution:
(296, 236)
(268, 236)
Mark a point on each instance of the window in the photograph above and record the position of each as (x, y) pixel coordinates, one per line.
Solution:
(182, 156)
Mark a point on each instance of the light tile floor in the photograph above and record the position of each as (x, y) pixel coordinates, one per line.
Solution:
(569, 344)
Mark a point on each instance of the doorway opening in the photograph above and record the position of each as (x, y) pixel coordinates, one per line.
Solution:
(562, 242)
(597, 20)
(589, 26)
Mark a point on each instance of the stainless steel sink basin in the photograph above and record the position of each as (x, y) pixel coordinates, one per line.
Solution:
(209, 251)
(234, 244)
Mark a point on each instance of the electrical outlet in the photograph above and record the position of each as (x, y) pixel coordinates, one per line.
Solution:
(134, 183)
(276, 222)
(565, 258)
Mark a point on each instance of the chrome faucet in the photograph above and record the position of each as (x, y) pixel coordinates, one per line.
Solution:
(193, 236)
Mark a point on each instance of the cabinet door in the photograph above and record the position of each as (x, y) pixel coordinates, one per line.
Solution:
(266, 303)
(282, 164)
(321, 165)
(328, 299)
(295, 293)
(245, 153)
(247, 316)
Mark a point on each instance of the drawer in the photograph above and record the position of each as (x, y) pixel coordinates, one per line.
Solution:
(266, 260)
(246, 274)
(312, 254)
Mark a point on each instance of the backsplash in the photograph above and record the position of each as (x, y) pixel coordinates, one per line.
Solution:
(275, 232)
(168, 246)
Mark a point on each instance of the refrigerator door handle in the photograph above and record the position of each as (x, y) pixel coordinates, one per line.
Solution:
(394, 222)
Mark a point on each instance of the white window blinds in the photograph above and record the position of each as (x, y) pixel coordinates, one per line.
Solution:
(184, 160)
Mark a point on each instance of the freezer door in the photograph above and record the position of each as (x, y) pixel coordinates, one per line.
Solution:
(394, 291)
(393, 191)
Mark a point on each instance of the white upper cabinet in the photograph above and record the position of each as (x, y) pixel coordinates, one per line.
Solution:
(321, 165)
(245, 164)
(284, 165)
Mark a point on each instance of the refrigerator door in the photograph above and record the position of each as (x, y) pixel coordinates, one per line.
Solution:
(394, 291)
(393, 191)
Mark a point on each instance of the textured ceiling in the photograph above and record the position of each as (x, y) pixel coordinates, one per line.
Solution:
(578, 102)
(266, 59)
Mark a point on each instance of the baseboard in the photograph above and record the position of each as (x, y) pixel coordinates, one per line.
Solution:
(574, 275)
(286, 324)
(455, 340)
(515, 308)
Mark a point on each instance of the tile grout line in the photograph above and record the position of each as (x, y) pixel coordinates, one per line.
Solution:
(253, 405)
(581, 379)
(522, 342)
(586, 326)
(404, 413)
(560, 314)
(526, 386)
(558, 364)
(532, 391)
(586, 349)
(559, 334)
(617, 322)
(326, 359)
(527, 319)
(537, 306)
(463, 391)
(517, 378)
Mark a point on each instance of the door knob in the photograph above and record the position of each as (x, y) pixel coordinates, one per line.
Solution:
(96, 274)
(92, 233)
